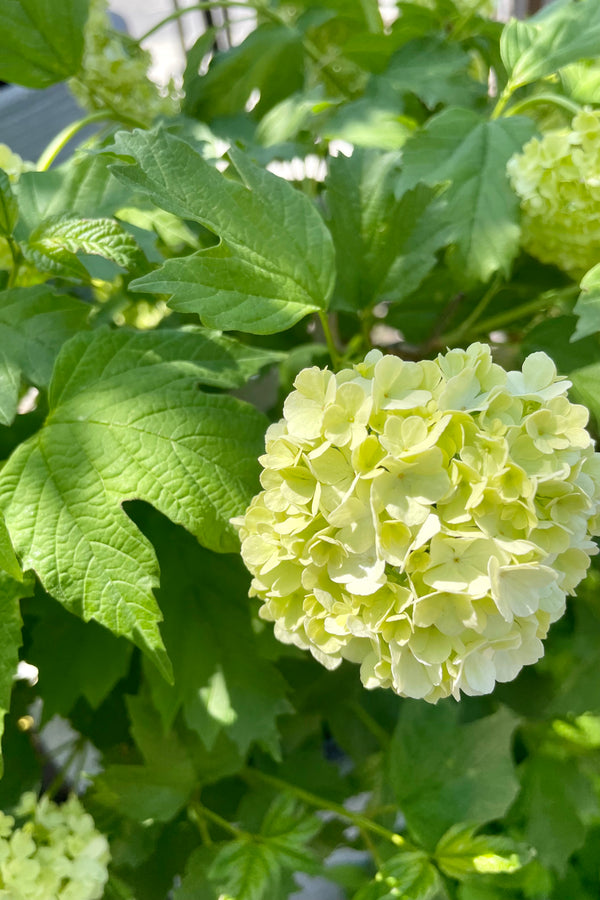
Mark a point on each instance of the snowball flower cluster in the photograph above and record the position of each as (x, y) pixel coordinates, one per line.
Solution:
(425, 520)
(114, 72)
(57, 854)
(557, 178)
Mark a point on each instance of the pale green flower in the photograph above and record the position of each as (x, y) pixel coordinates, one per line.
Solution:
(12, 163)
(557, 178)
(424, 520)
(114, 72)
(55, 854)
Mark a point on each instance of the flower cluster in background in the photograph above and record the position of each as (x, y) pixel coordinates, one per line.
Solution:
(114, 72)
(425, 520)
(56, 854)
(12, 164)
(557, 178)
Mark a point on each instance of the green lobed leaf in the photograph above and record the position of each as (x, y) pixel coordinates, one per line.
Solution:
(288, 828)
(127, 420)
(586, 385)
(384, 245)
(408, 875)
(269, 60)
(147, 858)
(83, 186)
(275, 260)
(195, 884)
(9, 563)
(576, 688)
(9, 208)
(11, 591)
(470, 153)
(246, 870)
(206, 621)
(588, 305)
(555, 804)
(581, 81)
(145, 792)
(375, 120)
(444, 773)
(290, 116)
(95, 655)
(173, 767)
(10, 380)
(563, 33)
(461, 853)
(34, 324)
(436, 71)
(550, 335)
(56, 262)
(41, 41)
(70, 234)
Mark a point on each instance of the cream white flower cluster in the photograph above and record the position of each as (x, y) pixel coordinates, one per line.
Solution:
(114, 72)
(57, 854)
(557, 178)
(424, 519)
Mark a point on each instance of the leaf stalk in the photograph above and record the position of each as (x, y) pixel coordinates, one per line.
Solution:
(362, 822)
(61, 140)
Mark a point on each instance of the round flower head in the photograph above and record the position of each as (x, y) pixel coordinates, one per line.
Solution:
(425, 520)
(56, 854)
(557, 178)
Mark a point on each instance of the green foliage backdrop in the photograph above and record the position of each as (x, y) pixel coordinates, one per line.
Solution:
(330, 185)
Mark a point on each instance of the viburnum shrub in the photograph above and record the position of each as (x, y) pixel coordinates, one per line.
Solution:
(301, 352)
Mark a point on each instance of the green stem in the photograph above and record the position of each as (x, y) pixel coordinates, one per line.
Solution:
(16, 260)
(59, 779)
(310, 49)
(177, 8)
(316, 56)
(555, 99)
(362, 822)
(333, 352)
(456, 335)
(367, 321)
(503, 100)
(465, 20)
(197, 7)
(518, 312)
(379, 733)
(67, 134)
(371, 847)
(198, 812)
